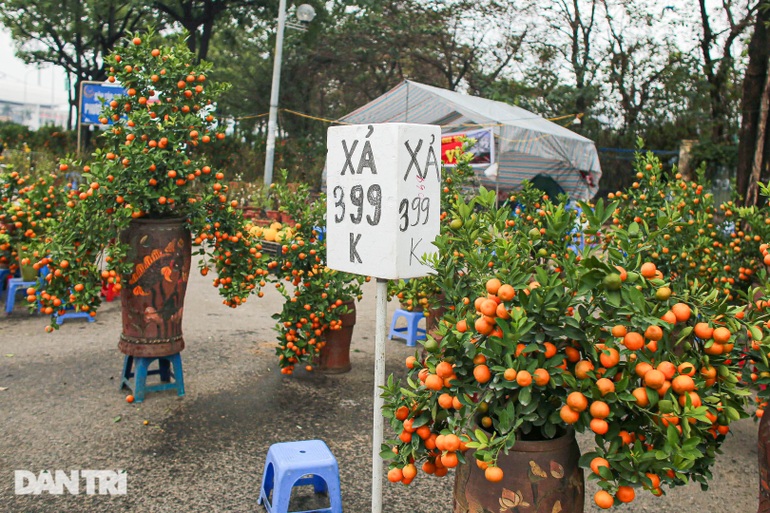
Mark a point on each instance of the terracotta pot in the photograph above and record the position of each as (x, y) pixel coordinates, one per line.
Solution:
(763, 449)
(434, 314)
(286, 218)
(251, 212)
(275, 215)
(335, 355)
(539, 477)
(153, 294)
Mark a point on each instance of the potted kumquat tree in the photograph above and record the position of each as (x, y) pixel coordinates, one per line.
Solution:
(31, 206)
(146, 196)
(542, 340)
(315, 324)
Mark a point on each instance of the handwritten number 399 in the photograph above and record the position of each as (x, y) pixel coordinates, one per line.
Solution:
(373, 197)
(419, 208)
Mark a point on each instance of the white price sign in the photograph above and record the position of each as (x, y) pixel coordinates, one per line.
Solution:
(383, 198)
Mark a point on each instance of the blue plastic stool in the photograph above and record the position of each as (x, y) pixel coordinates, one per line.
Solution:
(300, 463)
(14, 286)
(140, 387)
(412, 330)
(71, 314)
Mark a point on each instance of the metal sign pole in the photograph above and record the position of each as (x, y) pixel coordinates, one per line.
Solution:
(379, 381)
(80, 116)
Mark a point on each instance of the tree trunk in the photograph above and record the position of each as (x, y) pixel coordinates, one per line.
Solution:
(756, 72)
(759, 153)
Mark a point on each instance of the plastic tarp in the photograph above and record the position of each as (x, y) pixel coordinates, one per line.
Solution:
(526, 144)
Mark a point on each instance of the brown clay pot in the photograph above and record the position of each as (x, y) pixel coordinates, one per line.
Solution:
(153, 293)
(274, 215)
(539, 477)
(251, 212)
(434, 314)
(335, 355)
(763, 449)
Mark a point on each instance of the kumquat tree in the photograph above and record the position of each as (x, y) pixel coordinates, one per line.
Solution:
(315, 297)
(543, 338)
(150, 166)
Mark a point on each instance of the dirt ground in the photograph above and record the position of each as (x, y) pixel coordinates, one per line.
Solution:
(61, 409)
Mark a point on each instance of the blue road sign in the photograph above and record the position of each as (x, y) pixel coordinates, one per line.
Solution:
(92, 98)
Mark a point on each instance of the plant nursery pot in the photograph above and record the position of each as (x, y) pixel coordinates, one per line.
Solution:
(763, 450)
(335, 355)
(251, 212)
(28, 273)
(434, 314)
(287, 219)
(153, 293)
(275, 215)
(539, 477)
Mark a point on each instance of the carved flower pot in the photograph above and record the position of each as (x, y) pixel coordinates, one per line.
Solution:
(153, 294)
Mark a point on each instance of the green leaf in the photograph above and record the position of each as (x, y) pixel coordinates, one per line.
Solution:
(525, 396)
(481, 436)
(732, 413)
(387, 455)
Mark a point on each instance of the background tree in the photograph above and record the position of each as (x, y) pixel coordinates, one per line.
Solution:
(751, 105)
(640, 66)
(718, 65)
(198, 17)
(72, 34)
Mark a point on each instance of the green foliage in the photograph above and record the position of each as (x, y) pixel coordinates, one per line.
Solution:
(315, 297)
(678, 226)
(150, 166)
(541, 337)
(31, 210)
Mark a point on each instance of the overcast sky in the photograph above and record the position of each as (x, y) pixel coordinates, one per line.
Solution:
(20, 82)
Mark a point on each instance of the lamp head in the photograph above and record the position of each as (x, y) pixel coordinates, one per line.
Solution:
(305, 13)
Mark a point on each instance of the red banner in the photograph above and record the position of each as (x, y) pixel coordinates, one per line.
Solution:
(483, 150)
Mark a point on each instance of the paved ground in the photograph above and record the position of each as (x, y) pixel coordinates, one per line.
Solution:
(60, 408)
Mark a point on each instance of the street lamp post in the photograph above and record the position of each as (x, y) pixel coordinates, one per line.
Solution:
(305, 13)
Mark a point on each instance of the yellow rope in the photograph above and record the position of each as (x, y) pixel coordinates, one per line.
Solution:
(336, 121)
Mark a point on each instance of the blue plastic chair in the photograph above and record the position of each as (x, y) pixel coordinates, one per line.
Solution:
(17, 284)
(139, 386)
(290, 464)
(412, 332)
(70, 314)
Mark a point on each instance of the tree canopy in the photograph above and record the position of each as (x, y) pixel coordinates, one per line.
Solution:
(628, 68)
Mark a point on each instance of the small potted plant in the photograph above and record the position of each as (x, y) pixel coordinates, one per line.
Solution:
(541, 341)
(147, 195)
(31, 206)
(315, 325)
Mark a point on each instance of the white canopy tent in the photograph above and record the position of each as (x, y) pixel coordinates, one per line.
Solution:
(527, 145)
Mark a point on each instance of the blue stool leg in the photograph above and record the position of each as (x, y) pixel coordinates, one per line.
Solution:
(164, 366)
(10, 298)
(140, 378)
(414, 333)
(178, 373)
(282, 492)
(268, 482)
(334, 493)
(125, 379)
(393, 331)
